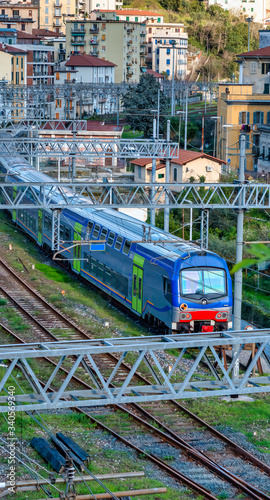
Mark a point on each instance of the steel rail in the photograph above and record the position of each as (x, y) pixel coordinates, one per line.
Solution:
(176, 441)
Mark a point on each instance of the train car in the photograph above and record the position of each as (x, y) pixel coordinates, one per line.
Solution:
(169, 282)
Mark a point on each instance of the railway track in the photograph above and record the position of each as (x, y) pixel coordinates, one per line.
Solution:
(173, 429)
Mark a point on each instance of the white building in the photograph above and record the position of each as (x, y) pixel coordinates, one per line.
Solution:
(167, 45)
(249, 8)
(91, 5)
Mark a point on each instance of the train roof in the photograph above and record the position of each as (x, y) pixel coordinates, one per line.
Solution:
(166, 246)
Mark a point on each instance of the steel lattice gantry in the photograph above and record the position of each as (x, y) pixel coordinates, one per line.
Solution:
(163, 382)
(95, 148)
(56, 195)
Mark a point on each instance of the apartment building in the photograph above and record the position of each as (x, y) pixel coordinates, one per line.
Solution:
(240, 109)
(167, 48)
(19, 16)
(135, 15)
(53, 14)
(258, 9)
(121, 42)
(91, 5)
(254, 68)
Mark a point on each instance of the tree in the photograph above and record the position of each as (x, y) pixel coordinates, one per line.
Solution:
(140, 100)
(260, 251)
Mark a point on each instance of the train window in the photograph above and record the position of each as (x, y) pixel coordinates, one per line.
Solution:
(134, 285)
(96, 231)
(118, 243)
(93, 266)
(140, 289)
(89, 229)
(113, 279)
(107, 275)
(46, 222)
(167, 288)
(100, 270)
(111, 238)
(104, 233)
(126, 247)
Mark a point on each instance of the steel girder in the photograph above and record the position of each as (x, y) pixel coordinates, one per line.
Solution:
(24, 124)
(121, 195)
(165, 382)
(204, 228)
(91, 148)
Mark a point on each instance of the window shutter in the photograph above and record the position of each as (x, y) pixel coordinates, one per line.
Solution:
(240, 117)
(262, 117)
(268, 117)
(254, 118)
(248, 118)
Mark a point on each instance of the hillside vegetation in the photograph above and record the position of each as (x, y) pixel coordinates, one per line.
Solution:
(219, 34)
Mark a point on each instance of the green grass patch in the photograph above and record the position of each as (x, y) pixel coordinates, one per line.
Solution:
(53, 274)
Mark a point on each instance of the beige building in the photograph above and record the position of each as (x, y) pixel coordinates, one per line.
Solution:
(240, 109)
(189, 167)
(20, 16)
(254, 68)
(54, 13)
(122, 43)
(5, 65)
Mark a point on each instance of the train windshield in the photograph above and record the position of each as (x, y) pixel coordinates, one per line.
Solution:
(198, 283)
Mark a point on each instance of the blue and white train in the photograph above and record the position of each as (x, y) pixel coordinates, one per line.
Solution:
(169, 282)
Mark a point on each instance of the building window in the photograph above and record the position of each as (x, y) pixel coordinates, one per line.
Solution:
(253, 67)
(139, 171)
(168, 52)
(21, 62)
(103, 48)
(268, 119)
(266, 88)
(160, 176)
(17, 77)
(150, 31)
(175, 174)
(15, 13)
(46, 10)
(22, 76)
(57, 76)
(127, 18)
(23, 27)
(244, 117)
(168, 72)
(46, 20)
(168, 61)
(136, 19)
(30, 13)
(265, 68)
(258, 117)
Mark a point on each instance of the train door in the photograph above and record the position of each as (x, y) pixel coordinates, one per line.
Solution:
(40, 227)
(77, 248)
(137, 283)
(14, 212)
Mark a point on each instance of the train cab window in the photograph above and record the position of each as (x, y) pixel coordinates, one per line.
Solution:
(96, 231)
(126, 247)
(107, 276)
(89, 230)
(100, 270)
(67, 234)
(104, 233)
(110, 238)
(94, 266)
(118, 243)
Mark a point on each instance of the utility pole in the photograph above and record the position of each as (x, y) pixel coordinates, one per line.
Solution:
(186, 118)
(172, 106)
(167, 178)
(158, 112)
(238, 277)
(249, 20)
(153, 178)
(202, 145)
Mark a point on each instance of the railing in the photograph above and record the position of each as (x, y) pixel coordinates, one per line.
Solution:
(94, 30)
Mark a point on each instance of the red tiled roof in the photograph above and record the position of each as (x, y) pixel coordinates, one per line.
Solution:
(158, 167)
(131, 12)
(265, 52)
(155, 73)
(44, 32)
(87, 60)
(92, 126)
(185, 156)
(23, 34)
(11, 49)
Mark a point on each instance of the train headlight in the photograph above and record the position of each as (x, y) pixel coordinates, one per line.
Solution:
(185, 316)
(221, 316)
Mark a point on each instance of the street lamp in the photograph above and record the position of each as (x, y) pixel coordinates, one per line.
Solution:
(215, 118)
(249, 20)
(227, 127)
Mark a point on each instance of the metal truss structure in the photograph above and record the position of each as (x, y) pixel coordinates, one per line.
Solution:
(204, 227)
(31, 124)
(165, 382)
(95, 148)
(54, 195)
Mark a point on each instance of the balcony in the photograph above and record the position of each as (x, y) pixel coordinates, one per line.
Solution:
(94, 53)
(75, 41)
(77, 31)
(55, 25)
(129, 30)
(93, 42)
(57, 15)
(57, 5)
(94, 30)
(129, 42)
